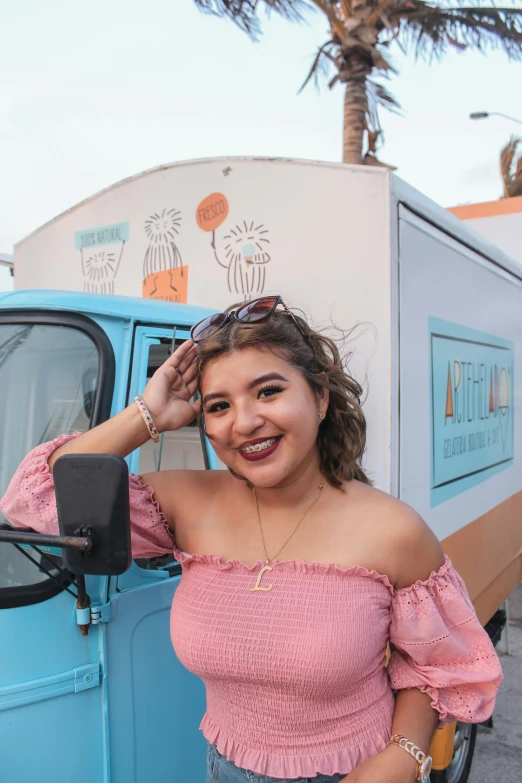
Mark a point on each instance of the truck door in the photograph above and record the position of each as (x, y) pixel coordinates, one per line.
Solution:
(56, 376)
(155, 704)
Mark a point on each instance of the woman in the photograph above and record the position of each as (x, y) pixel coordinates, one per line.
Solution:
(296, 572)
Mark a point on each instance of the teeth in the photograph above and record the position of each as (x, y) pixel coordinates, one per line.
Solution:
(259, 446)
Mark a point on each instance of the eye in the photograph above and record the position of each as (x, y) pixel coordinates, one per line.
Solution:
(269, 391)
(215, 407)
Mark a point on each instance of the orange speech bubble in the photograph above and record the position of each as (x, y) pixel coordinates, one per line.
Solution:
(212, 211)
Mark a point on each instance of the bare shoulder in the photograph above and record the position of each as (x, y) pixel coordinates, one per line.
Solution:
(414, 550)
(180, 491)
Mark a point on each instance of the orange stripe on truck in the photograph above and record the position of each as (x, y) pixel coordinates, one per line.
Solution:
(487, 553)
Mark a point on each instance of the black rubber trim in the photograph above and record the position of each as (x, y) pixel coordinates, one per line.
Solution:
(495, 626)
(26, 595)
(14, 597)
(164, 325)
(106, 358)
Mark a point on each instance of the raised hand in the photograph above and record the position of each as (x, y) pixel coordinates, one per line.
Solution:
(168, 393)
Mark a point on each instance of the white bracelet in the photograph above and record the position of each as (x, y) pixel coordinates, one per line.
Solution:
(147, 418)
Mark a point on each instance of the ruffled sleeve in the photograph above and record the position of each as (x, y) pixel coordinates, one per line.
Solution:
(30, 502)
(439, 646)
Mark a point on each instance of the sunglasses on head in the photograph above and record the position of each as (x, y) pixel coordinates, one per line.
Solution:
(250, 313)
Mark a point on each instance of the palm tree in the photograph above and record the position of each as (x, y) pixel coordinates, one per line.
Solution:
(362, 32)
(511, 168)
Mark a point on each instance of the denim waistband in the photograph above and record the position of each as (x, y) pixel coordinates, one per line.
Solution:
(220, 770)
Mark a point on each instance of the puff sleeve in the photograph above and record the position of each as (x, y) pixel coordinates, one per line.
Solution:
(439, 646)
(29, 502)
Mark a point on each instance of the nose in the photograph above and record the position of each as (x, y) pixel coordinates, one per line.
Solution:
(247, 419)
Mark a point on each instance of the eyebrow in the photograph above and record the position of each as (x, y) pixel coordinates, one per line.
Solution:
(271, 376)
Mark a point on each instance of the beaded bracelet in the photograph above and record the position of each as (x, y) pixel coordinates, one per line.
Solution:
(147, 418)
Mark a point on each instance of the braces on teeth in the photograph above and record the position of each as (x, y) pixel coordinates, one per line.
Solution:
(259, 446)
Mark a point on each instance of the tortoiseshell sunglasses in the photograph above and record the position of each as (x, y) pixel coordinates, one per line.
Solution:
(250, 313)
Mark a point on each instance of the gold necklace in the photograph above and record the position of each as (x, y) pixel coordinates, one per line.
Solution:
(266, 567)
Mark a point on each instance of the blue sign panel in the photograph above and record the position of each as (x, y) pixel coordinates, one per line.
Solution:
(105, 235)
(472, 411)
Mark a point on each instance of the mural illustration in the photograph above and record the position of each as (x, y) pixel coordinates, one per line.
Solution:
(245, 247)
(164, 275)
(101, 256)
(99, 270)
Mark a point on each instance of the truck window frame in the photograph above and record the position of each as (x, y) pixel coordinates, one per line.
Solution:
(26, 595)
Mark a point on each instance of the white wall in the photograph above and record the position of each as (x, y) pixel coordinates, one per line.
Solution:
(505, 231)
(6, 281)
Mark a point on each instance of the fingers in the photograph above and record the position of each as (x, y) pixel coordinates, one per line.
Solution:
(177, 356)
(185, 385)
(180, 368)
(185, 375)
(181, 351)
(196, 407)
(190, 373)
(187, 360)
(192, 387)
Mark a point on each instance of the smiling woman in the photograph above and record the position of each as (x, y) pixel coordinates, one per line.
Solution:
(283, 357)
(293, 651)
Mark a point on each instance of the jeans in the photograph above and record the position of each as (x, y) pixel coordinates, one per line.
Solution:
(219, 770)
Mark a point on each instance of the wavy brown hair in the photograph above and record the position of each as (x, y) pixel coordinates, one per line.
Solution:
(341, 439)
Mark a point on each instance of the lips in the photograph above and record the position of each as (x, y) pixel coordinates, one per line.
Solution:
(260, 448)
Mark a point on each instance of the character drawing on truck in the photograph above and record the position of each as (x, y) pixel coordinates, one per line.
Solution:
(244, 252)
(245, 258)
(164, 276)
(99, 258)
(99, 270)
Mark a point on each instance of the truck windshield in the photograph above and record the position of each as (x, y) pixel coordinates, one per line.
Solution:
(48, 385)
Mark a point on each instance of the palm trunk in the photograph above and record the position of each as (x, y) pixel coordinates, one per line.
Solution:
(355, 110)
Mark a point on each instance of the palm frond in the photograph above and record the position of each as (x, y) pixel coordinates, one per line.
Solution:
(379, 95)
(512, 178)
(321, 65)
(244, 13)
(431, 30)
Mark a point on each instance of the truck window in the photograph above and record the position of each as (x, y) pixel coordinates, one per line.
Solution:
(49, 378)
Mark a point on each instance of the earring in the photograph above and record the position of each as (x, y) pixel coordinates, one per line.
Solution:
(322, 416)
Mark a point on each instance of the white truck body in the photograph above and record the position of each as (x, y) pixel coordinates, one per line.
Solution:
(6, 272)
(499, 221)
(438, 309)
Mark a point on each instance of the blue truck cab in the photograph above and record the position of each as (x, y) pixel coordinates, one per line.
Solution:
(116, 705)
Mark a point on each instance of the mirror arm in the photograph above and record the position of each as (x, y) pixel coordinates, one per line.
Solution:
(84, 542)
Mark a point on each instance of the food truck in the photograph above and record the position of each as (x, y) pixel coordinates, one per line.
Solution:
(431, 318)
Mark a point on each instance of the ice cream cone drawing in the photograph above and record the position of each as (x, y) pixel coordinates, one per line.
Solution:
(164, 276)
(244, 254)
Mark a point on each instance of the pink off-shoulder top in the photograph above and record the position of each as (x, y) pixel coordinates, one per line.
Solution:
(296, 678)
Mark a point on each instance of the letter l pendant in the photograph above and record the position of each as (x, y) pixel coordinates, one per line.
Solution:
(256, 587)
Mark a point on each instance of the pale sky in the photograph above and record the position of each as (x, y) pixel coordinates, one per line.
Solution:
(95, 92)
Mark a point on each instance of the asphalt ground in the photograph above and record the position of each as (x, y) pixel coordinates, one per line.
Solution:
(498, 752)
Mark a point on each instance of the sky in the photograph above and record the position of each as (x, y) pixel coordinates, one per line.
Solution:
(95, 92)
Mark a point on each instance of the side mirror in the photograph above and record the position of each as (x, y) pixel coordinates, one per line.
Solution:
(92, 499)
